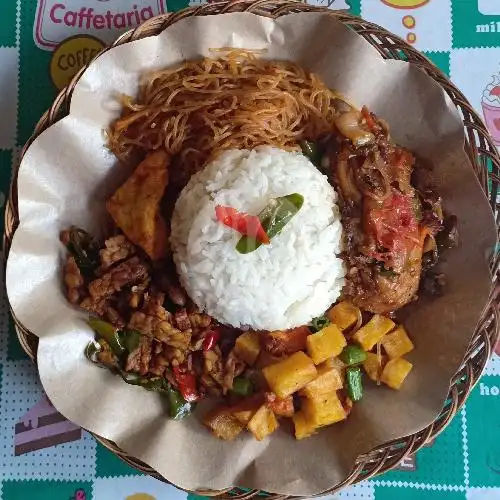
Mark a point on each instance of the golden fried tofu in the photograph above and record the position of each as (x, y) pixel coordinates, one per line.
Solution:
(135, 207)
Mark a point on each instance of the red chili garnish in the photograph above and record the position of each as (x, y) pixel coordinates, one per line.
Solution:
(245, 224)
(394, 225)
(211, 338)
(187, 384)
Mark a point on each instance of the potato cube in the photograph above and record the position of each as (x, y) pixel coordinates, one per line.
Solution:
(395, 372)
(324, 410)
(334, 362)
(263, 423)
(327, 381)
(397, 343)
(344, 315)
(371, 333)
(247, 347)
(223, 424)
(373, 366)
(303, 427)
(280, 407)
(290, 375)
(326, 343)
(247, 408)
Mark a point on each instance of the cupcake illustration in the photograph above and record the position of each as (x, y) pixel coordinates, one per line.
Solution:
(491, 108)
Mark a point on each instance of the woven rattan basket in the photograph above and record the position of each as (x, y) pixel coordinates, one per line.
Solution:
(485, 162)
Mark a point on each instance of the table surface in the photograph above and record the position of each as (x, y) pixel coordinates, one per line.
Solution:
(45, 457)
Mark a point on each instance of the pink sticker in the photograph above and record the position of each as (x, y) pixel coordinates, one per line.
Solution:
(57, 20)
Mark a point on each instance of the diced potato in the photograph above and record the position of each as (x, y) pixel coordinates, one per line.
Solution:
(303, 427)
(324, 410)
(282, 407)
(395, 372)
(328, 380)
(371, 333)
(223, 424)
(247, 347)
(290, 375)
(247, 408)
(373, 366)
(334, 362)
(326, 343)
(397, 343)
(283, 343)
(344, 315)
(263, 423)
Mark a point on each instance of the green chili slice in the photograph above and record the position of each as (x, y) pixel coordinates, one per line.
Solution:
(354, 383)
(352, 355)
(274, 217)
(319, 323)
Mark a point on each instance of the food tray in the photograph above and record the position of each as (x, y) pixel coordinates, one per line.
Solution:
(485, 162)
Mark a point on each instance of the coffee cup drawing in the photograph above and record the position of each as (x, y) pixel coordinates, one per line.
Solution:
(490, 103)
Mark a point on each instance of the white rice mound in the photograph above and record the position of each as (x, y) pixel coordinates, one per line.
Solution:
(278, 286)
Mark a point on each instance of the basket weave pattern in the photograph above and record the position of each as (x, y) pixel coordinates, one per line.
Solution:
(485, 162)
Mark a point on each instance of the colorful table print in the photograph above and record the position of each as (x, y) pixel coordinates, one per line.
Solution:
(43, 43)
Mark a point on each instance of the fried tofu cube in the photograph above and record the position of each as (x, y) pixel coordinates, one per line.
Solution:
(247, 347)
(223, 424)
(281, 343)
(328, 380)
(373, 366)
(281, 407)
(325, 409)
(371, 333)
(397, 343)
(290, 375)
(395, 372)
(263, 423)
(344, 315)
(325, 344)
(135, 206)
(303, 427)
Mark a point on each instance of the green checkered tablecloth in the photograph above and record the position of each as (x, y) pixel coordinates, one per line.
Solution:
(45, 457)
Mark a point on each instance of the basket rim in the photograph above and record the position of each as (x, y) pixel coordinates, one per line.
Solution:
(383, 457)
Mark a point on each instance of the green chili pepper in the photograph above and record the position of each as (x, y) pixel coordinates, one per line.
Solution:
(157, 384)
(91, 350)
(274, 217)
(242, 387)
(84, 249)
(354, 383)
(120, 341)
(129, 339)
(352, 355)
(178, 406)
(109, 333)
(319, 323)
(312, 151)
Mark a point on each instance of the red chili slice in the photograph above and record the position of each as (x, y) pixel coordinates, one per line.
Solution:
(245, 224)
(187, 384)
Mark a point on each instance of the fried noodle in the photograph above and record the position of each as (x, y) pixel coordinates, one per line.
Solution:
(233, 101)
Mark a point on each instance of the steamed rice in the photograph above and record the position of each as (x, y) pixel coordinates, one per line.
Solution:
(278, 286)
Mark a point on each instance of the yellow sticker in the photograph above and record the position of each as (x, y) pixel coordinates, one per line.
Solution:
(140, 496)
(405, 4)
(71, 55)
